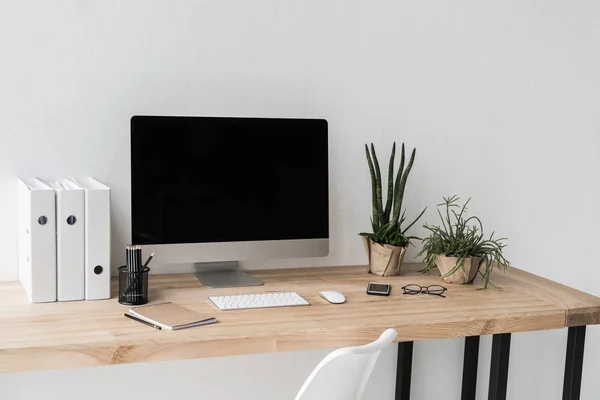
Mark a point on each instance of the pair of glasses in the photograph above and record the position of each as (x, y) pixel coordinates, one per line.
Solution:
(436, 290)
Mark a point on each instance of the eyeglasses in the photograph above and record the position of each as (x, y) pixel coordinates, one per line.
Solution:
(435, 290)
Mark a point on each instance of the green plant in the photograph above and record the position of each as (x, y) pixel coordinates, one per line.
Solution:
(462, 237)
(387, 221)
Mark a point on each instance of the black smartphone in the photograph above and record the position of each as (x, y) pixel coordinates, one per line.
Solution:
(379, 289)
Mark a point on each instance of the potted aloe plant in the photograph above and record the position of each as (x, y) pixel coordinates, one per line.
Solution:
(387, 244)
(458, 247)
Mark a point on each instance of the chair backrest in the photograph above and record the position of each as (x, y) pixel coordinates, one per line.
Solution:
(344, 373)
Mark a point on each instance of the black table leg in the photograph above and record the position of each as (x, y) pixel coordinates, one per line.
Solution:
(469, 380)
(499, 367)
(574, 363)
(404, 370)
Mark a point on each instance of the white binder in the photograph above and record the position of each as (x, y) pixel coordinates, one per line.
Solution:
(37, 239)
(70, 223)
(97, 238)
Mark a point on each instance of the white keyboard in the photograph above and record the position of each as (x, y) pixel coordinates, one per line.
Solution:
(259, 300)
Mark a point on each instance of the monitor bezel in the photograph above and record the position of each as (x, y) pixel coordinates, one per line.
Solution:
(234, 250)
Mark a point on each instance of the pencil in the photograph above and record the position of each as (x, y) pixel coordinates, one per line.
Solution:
(129, 270)
(148, 261)
(138, 271)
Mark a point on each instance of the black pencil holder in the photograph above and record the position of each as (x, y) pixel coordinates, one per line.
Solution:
(133, 286)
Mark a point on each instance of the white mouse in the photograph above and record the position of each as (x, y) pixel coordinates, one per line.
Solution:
(332, 296)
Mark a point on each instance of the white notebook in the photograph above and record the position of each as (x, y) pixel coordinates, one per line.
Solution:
(172, 316)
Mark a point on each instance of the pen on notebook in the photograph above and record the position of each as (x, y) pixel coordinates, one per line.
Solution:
(142, 321)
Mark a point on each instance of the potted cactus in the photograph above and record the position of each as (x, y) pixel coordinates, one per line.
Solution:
(387, 244)
(458, 247)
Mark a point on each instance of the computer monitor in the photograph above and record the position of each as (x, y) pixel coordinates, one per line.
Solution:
(213, 191)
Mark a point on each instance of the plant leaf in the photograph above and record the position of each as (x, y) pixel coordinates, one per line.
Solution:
(376, 216)
(379, 188)
(390, 188)
(397, 205)
(415, 221)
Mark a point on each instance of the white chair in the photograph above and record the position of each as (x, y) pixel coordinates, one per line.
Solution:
(344, 373)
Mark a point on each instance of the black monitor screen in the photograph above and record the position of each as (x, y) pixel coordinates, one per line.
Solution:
(204, 179)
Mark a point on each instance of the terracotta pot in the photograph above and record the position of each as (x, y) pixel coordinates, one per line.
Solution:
(460, 276)
(384, 259)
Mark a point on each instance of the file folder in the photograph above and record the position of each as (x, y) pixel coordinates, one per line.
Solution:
(97, 238)
(70, 223)
(37, 239)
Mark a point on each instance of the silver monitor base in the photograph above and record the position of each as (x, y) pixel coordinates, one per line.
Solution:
(224, 274)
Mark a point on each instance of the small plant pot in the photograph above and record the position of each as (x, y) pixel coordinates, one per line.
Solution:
(384, 259)
(460, 276)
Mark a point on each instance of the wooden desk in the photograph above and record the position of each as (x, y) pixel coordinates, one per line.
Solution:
(90, 333)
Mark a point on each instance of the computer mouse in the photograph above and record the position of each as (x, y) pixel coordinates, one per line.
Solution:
(333, 296)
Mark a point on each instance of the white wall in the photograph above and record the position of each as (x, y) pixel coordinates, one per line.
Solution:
(500, 98)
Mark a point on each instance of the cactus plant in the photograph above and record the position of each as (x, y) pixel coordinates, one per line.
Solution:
(387, 221)
(462, 238)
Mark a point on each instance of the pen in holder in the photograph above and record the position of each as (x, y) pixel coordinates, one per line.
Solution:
(133, 286)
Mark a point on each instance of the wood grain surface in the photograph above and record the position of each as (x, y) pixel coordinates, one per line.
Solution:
(89, 333)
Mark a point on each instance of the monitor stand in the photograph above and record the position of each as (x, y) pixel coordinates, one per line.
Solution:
(224, 274)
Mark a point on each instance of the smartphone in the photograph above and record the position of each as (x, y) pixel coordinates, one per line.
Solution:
(379, 289)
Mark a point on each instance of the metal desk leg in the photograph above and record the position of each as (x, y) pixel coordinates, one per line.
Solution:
(499, 367)
(469, 380)
(404, 370)
(574, 363)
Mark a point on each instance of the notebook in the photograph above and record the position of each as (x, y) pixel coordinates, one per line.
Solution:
(172, 316)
